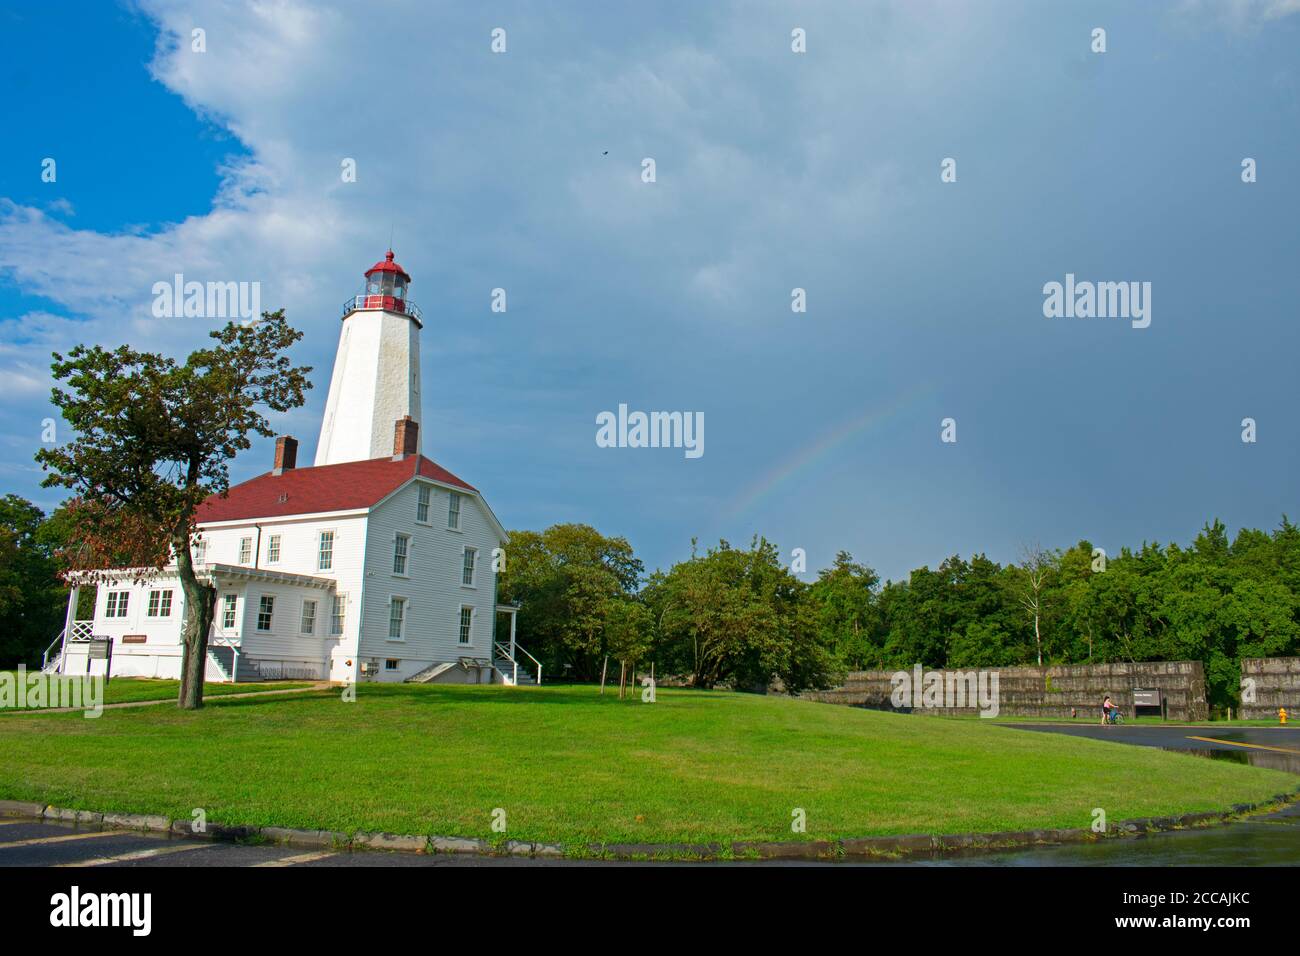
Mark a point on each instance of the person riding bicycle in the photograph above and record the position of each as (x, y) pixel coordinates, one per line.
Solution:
(1108, 711)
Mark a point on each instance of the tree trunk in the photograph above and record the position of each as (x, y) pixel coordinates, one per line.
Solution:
(200, 601)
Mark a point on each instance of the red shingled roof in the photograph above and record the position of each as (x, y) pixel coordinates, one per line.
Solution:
(348, 486)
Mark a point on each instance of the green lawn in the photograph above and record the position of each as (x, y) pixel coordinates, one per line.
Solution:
(568, 765)
(121, 690)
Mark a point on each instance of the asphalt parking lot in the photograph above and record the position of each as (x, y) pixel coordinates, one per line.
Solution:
(57, 844)
(1272, 746)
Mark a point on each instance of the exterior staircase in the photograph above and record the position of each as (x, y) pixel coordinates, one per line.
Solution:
(512, 670)
(223, 656)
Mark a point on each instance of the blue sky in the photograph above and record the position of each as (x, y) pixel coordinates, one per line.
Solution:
(775, 170)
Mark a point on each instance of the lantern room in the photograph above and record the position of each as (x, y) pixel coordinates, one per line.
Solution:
(387, 287)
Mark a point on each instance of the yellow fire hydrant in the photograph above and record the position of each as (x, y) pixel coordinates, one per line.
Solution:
(1281, 715)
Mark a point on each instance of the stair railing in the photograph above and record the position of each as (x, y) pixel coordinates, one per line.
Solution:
(45, 658)
(514, 664)
(220, 640)
(82, 631)
(535, 661)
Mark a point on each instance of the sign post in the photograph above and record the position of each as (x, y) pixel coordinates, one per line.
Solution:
(101, 649)
(1148, 698)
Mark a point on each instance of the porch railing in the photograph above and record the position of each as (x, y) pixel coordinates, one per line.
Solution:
(535, 661)
(504, 651)
(82, 632)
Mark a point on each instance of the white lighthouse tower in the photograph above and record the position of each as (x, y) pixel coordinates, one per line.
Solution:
(376, 380)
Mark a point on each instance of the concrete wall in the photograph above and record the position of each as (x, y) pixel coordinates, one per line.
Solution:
(1026, 691)
(1276, 684)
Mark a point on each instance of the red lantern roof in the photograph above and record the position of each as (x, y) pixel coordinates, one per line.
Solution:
(388, 265)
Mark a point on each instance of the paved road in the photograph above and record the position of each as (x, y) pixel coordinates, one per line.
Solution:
(46, 843)
(1274, 747)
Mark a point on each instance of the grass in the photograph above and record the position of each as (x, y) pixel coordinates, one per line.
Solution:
(568, 765)
(123, 690)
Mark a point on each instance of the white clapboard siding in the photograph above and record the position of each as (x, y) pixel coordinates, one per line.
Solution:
(299, 554)
(432, 585)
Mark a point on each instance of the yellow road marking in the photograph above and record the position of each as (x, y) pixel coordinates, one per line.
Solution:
(295, 860)
(63, 839)
(9, 823)
(1233, 743)
(138, 855)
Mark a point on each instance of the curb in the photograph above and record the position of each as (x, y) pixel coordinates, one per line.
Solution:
(849, 848)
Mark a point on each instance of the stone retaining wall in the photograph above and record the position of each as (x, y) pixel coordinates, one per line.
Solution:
(1050, 691)
(1276, 684)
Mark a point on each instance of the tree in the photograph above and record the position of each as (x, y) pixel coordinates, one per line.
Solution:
(738, 617)
(847, 615)
(566, 577)
(152, 439)
(1036, 566)
(30, 590)
(628, 636)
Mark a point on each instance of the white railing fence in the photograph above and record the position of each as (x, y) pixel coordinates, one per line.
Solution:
(82, 631)
(513, 677)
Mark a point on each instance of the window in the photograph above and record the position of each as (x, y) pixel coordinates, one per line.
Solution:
(228, 605)
(397, 619)
(401, 546)
(336, 614)
(453, 510)
(309, 617)
(160, 604)
(391, 664)
(466, 620)
(326, 557)
(422, 504)
(265, 611)
(117, 601)
(467, 567)
(245, 550)
(201, 551)
(273, 549)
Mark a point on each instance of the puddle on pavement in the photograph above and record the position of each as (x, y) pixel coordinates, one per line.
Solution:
(1271, 759)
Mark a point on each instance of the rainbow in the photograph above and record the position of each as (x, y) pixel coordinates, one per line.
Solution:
(823, 446)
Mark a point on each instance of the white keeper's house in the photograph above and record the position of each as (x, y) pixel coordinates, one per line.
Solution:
(374, 564)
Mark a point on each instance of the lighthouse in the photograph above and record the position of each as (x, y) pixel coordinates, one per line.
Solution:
(376, 381)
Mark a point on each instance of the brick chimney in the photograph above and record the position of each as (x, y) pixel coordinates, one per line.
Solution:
(286, 454)
(405, 433)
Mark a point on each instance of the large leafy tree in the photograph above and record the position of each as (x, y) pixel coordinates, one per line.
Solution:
(30, 590)
(847, 615)
(738, 617)
(152, 438)
(571, 580)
